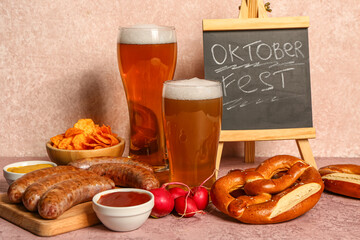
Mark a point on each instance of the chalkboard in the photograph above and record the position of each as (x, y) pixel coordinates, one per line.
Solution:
(265, 76)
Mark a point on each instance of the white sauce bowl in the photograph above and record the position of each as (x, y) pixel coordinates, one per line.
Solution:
(123, 218)
(11, 176)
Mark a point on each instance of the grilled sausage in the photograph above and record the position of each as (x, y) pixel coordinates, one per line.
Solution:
(34, 192)
(67, 194)
(127, 175)
(18, 187)
(88, 162)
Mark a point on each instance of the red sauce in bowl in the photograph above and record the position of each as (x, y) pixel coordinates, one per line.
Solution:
(123, 199)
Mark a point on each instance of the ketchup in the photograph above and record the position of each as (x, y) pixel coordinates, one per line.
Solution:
(123, 199)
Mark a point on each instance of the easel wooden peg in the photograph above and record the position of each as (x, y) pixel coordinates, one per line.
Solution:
(252, 9)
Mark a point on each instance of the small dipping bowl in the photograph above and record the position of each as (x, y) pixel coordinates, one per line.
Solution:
(123, 219)
(11, 176)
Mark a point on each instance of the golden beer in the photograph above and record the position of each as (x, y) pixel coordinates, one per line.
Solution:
(146, 58)
(192, 111)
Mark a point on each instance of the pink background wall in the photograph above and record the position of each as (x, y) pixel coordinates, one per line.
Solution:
(58, 64)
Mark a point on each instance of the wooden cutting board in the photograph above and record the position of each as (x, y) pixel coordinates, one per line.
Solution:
(79, 216)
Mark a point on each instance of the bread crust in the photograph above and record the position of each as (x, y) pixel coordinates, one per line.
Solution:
(342, 179)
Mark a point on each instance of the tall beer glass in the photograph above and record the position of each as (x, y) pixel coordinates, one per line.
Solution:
(146, 58)
(192, 111)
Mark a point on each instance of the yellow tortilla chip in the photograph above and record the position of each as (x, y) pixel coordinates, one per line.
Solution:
(113, 139)
(85, 134)
(103, 139)
(78, 141)
(87, 125)
(57, 139)
(65, 143)
(73, 131)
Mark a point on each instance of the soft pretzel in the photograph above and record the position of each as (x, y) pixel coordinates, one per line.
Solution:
(267, 199)
(343, 179)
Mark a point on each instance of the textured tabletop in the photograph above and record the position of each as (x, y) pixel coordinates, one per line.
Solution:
(334, 217)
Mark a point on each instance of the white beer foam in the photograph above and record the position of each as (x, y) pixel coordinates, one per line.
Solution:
(147, 34)
(192, 89)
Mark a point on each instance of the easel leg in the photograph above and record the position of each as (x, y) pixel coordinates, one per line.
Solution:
(305, 151)
(218, 158)
(249, 149)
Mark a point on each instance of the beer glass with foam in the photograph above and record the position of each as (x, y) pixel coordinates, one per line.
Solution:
(192, 111)
(146, 58)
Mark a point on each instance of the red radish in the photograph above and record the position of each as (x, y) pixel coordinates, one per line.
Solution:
(201, 197)
(164, 202)
(185, 206)
(177, 192)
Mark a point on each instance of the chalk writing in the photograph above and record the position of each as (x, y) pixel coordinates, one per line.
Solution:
(256, 54)
(265, 77)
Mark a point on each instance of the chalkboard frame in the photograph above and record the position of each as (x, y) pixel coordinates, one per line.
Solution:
(301, 135)
(255, 23)
(260, 24)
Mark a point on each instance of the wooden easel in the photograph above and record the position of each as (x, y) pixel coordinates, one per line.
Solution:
(256, 9)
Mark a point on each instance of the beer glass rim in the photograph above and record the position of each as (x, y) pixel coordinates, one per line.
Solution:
(148, 27)
(215, 83)
(193, 89)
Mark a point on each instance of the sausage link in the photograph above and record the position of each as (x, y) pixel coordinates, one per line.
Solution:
(127, 175)
(67, 194)
(34, 192)
(88, 162)
(18, 187)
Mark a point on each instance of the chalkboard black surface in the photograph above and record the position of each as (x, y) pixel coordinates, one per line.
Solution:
(265, 76)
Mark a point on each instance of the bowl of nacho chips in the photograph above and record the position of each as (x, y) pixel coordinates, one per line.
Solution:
(85, 139)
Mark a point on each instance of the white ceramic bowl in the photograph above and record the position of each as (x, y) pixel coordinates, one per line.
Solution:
(123, 218)
(11, 176)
